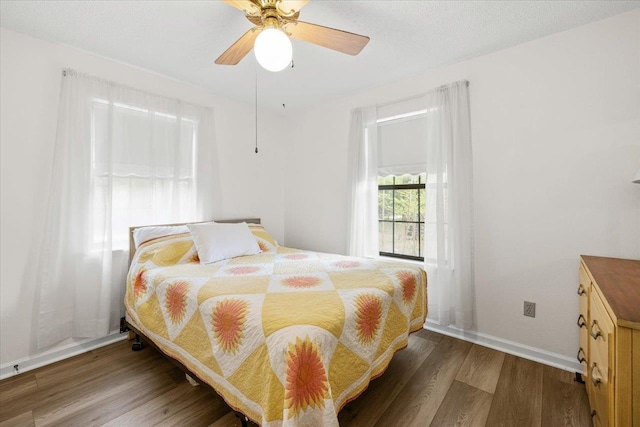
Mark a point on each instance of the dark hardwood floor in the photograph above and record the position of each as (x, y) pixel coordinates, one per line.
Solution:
(436, 380)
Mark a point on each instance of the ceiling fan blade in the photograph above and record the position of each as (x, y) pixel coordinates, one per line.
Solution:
(339, 40)
(247, 6)
(291, 6)
(239, 49)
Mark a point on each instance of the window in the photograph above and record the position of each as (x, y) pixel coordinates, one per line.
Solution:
(401, 182)
(143, 169)
(401, 216)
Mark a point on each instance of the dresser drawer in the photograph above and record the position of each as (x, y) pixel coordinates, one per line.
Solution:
(584, 288)
(601, 389)
(601, 329)
(601, 361)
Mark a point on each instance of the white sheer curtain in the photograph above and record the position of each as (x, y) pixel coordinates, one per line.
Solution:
(122, 157)
(448, 206)
(363, 182)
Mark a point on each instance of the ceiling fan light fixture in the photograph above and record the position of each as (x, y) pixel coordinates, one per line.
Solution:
(273, 49)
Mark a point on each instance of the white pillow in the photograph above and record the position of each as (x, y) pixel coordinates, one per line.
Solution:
(144, 234)
(215, 242)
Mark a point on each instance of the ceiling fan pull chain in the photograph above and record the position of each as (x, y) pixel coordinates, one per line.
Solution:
(256, 114)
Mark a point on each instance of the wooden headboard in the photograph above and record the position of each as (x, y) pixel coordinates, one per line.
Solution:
(132, 245)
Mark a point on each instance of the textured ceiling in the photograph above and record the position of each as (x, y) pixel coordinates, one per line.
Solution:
(181, 39)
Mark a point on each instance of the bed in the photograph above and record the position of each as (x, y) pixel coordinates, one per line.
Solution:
(286, 337)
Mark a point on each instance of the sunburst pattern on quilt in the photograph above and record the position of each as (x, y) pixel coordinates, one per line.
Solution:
(265, 241)
(406, 292)
(369, 314)
(265, 246)
(140, 284)
(368, 309)
(178, 301)
(142, 290)
(299, 356)
(228, 323)
(234, 328)
(290, 262)
(306, 384)
(297, 257)
(344, 263)
(235, 270)
(314, 281)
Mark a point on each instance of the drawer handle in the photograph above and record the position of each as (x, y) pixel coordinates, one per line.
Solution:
(597, 334)
(582, 323)
(595, 381)
(581, 358)
(581, 290)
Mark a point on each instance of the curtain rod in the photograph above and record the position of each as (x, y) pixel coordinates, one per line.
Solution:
(71, 72)
(420, 95)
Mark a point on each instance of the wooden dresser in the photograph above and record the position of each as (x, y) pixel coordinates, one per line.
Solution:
(609, 323)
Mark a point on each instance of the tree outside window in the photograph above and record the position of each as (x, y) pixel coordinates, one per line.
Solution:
(401, 201)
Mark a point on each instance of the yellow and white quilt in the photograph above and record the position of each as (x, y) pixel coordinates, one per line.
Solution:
(286, 337)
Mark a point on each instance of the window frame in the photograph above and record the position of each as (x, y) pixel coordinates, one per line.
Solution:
(99, 178)
(393, 187)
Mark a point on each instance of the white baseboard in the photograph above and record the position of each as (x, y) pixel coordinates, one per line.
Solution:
(531, 353)
(54, 355)
(511, 347)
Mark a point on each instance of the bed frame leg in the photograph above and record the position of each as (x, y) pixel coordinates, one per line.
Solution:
(137, 344)
(244, 420)
(191, 381)
(123, 325)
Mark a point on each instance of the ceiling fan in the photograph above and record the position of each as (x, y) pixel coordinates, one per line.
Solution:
(275, 21)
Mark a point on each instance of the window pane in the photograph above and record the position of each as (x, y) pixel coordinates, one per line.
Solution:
(407, 179)
(407, 208)
(385, 180)
(130, 142)
(385, 204)
(143, 164)
(186, 146)
(400, 213)
(385, 231)
(406, 239)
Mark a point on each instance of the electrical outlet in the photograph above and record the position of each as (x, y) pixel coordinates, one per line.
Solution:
(530, 309)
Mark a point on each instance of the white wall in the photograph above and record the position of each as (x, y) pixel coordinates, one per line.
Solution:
(30, 77)
(556, 139)
(556, 136)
